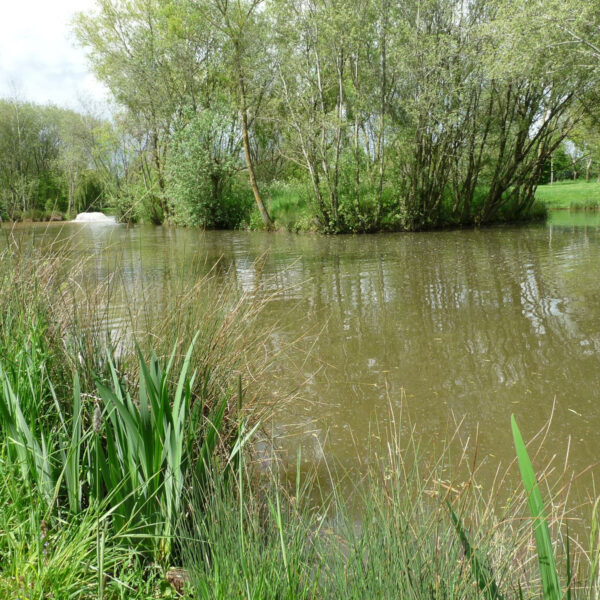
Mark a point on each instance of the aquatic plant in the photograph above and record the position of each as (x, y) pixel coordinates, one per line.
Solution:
(545, 552)
(135, 458)
(151, 444)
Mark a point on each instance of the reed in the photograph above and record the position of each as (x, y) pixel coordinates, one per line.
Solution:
(400, 544)
(416, 524)
(72, 315)
(545, 552)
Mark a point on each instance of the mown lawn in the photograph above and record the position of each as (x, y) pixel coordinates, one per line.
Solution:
(575, 195)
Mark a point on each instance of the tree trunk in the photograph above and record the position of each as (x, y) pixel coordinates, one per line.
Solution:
(588, 167)
(259, 201)
(382, 108)
(338, 140)
(71, 195)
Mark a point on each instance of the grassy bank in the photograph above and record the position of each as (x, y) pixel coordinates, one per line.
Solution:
(570, 195)
(127, 468)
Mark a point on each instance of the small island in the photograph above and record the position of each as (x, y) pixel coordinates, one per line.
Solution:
(345, 119)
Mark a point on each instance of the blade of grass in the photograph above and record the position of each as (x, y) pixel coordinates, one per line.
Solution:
(548, 573)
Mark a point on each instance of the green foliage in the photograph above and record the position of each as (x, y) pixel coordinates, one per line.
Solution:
(137, 200)
(246, 549)
(147, 449)
(48, 161)
(92, 466)
(513, 212)
(134, 459)
(481, 571)
(392, 116)
(417, 117)
(48, 460)
(40, 556)
(258, 541)
(201, 187)
(141, 460)
(559, 164)
(289, 206)
(27, 336)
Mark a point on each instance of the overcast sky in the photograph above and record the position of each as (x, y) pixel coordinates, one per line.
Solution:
(39, 60)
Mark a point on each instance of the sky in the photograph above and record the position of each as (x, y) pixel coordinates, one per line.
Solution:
(39, 59)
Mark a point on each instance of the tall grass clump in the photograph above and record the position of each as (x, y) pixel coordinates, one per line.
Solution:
(403, 542)
(579, 560)
(62, 312)
(28, 342)
(415, 525)
(392, 538)
(105, 419)
(45, 556)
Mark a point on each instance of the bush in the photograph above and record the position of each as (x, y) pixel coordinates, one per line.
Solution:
(201, 186)
(135, 201)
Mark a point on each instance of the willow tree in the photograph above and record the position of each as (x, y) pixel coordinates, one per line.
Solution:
(484, 91)
(19, 129)
(331, 71)
(133, 50)
(401, 115)
(243, 30)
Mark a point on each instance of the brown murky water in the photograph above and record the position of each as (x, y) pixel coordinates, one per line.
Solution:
(465, 325)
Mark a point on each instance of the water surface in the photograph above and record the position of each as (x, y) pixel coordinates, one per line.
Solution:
(464, 326)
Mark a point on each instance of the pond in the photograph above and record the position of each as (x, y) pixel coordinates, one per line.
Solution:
(455, 326)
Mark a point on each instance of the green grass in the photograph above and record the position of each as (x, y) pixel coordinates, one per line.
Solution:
(573, 195)
(270, 542)
(292, 209)
(43, 557)
(289, 206)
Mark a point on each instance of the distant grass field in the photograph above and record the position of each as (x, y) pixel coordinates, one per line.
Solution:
(573, 195)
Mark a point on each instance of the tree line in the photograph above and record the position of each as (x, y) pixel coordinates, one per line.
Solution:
(46, 161)
(370, 114)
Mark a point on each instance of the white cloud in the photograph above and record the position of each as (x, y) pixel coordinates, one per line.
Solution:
(39, 58)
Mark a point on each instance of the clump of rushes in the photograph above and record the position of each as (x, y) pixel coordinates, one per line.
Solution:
(72, 316)
(28, 344)
(548, 586)
(99, 433)
(393, 537)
